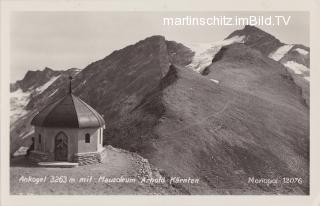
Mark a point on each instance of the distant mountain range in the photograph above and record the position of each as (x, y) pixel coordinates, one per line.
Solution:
(222, 111)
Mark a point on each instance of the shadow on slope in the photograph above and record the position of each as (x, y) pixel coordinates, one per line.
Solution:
(223, 133)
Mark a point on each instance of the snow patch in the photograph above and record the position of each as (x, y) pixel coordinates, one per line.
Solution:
(21, 151)
(302, 51)
(18, 101)
(215, 81)
(24, 135)
(77, 71)
(55, 91)
(296, 67)
(205, 52)
(307, 78)
(234, 39)
(280, 52)
(46, 85)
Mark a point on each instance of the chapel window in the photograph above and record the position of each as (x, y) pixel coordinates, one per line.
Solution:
(87, 138)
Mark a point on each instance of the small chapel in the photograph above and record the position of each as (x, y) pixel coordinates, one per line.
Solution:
(69, 130)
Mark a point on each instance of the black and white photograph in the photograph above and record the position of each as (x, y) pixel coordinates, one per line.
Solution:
(158, 103)
(165, 108)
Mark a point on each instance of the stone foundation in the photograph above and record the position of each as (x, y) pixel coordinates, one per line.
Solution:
(37, 156)
(87, 158)
(81, 158)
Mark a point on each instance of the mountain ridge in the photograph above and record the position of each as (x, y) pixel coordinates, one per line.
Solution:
(243, 118)
(295, 57)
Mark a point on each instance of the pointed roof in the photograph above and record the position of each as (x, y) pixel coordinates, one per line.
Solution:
(68, 112)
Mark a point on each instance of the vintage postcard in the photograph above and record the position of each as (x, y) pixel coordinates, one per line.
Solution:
(161, 102)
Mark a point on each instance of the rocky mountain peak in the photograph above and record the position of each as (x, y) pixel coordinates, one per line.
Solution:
(252, 28)
(252, 31)
(258, 39)
(33, 79)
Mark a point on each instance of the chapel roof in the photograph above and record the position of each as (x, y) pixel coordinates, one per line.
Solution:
(68, 112)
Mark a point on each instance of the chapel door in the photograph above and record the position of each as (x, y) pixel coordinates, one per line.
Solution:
(61, 147)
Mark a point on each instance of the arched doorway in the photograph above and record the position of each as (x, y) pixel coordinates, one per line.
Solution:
(61, 147)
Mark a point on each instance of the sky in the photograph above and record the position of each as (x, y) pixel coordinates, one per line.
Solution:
(63, 40)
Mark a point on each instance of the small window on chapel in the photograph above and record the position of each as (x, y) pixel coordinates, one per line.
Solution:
(87, 138)
(39, 138)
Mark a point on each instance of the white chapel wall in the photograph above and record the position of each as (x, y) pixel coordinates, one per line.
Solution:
(84, 147)
(48, 135)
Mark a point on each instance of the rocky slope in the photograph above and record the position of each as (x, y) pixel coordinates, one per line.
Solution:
(243, 117)
(204, 52)
(33, 91)
(113, 85)
(258, 39)
(220, 134)
(34, 79)
(297, 60)
(295, 57)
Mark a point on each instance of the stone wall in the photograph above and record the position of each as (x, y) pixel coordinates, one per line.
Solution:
(81, 158)
(37, 156)
(88, 158)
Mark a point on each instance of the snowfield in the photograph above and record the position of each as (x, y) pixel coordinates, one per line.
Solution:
(307, 78)
(296, 68)
(205, 52)
(280, 52)
(302, 51)
(46, 85)
(293, 66)
(215, 81)
(18, 101)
